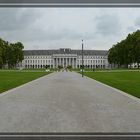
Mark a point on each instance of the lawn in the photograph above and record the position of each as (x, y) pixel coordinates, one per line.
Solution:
(127, 81)
(13, 78)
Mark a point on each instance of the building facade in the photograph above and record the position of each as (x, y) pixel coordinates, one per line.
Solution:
(65, 57)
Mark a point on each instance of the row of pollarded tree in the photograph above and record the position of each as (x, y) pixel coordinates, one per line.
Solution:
(126, 52)
(10, 53)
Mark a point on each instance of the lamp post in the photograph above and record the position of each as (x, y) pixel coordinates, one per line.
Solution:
(82, 60)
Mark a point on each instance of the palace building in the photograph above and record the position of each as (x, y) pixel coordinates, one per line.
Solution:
(65, 57)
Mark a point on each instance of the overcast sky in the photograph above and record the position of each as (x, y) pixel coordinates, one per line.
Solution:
(54, 28)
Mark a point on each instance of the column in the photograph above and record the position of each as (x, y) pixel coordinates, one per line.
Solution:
(76, 62)
(50, 63)
(72, 62)
(60, 61)
(63, 62)
(69, 61)
(66, 62)
(54, 62)
(90, 63)
(57, 62)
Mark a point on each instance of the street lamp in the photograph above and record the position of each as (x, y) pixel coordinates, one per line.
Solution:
(82, 60)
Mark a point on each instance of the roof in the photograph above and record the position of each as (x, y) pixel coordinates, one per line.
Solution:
(65, 51)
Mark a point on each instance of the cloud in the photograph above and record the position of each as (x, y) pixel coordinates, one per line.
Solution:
(59, 34)
(45, 35)
(46, 28)
(137, 22)
(131, 28)
(107, 25)
(16, 19)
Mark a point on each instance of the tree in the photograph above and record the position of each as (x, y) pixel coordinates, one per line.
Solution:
(127, 51)
(10, 53)
(3, 52)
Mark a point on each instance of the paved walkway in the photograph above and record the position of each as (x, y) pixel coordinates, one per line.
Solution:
(66, 102)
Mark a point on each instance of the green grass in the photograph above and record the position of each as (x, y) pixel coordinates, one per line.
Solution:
(127, 81)
(11, 78)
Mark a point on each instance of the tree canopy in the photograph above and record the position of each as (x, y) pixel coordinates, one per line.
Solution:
(126, 52)
(10, 53)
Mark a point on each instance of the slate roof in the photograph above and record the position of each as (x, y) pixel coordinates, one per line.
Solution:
(65, 51)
